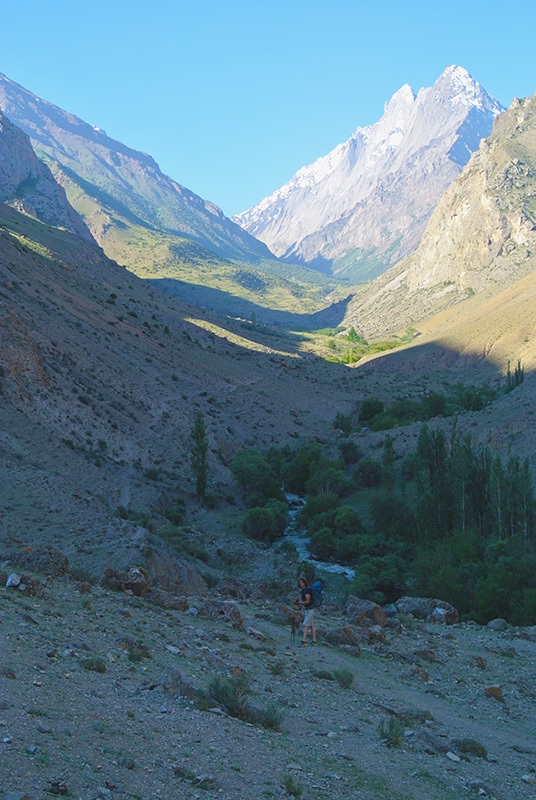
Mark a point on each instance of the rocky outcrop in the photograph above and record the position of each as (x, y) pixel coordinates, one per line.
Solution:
(365, 205)
(480, 239)
(27, 184)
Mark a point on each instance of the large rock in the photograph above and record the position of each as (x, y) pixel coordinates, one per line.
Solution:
(365, 613)
(223, 610)
(428, 609)
(342, 636)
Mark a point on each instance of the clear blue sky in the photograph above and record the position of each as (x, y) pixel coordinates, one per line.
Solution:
(231, 98)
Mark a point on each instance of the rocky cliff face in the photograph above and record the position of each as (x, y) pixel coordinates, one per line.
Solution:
(29, 186)
(364, 206)
(480, 239)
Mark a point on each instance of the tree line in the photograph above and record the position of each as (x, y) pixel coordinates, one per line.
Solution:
(450, 520)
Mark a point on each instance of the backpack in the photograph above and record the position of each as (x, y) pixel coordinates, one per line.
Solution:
(318, 594)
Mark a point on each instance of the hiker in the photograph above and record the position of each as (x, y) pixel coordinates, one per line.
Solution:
(308, 605)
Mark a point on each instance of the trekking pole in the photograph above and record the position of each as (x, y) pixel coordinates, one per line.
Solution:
(293, 627)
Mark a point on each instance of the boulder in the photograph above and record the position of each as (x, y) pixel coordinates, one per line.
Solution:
(498, 625)
(223, 610)
(136, 582)
(342, 636)
(231, 588)
(365, 613)
(428, 609)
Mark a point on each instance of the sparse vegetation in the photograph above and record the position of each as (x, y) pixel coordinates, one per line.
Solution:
(391, 730)
(292, 786)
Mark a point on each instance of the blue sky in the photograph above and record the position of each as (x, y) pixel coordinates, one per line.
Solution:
(231, 98)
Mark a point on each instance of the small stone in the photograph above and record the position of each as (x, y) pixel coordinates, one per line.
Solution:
(13, 580)
(453, 756)
(127, 763)
(531, 779)
(43, 727)
(495, 692)
(58, 787)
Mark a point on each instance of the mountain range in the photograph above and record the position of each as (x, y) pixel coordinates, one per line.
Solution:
(364, 206)
(111, 184)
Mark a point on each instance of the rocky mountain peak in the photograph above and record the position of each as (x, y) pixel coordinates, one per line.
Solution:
(364, 206)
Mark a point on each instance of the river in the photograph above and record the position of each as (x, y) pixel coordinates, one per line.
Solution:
(301, 541)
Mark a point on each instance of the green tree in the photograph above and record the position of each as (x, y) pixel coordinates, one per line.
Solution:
(198, 454)
(369, 408)
(256, 477)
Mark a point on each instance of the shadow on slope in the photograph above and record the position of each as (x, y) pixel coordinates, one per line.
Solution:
(221, 302)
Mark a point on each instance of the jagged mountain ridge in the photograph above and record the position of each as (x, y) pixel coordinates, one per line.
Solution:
(364, 206)
(125, 183)
(480, 240)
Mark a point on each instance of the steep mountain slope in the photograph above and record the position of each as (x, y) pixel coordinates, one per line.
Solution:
(100, 376)
(480, 240)
(122, 186)
(364, 206)
(28, 185)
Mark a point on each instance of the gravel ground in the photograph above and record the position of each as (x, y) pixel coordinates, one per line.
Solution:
(66, 729)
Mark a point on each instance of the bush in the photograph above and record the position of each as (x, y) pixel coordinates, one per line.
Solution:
(291, 786)
(349, 451)
(175, 515)
(344, 677)
(370, 407)
(266, 524)
(231, 693)
(93, 664)
(343, 422)
(271, 717)
(256, 477)
(392, 731)
(471, 747)
(368, 472)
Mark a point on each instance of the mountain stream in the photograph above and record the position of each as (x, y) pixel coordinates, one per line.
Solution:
(301, 541)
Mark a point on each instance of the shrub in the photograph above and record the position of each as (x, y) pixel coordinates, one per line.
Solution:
(392, 731)
(175, 515)
(93, 664)
(349, 451)
(323, 675)
(231, 693)
(291, 786)
(344, 677)
(263, 524)
(271, 717)
(368, 472)
(470, 747)
(369, 408)
(256, 478)
(343, 422)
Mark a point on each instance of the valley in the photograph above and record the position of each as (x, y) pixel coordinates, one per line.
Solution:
(129, 309)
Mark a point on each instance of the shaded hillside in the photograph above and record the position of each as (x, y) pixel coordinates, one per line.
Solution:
(100, 376)
(480, 240)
